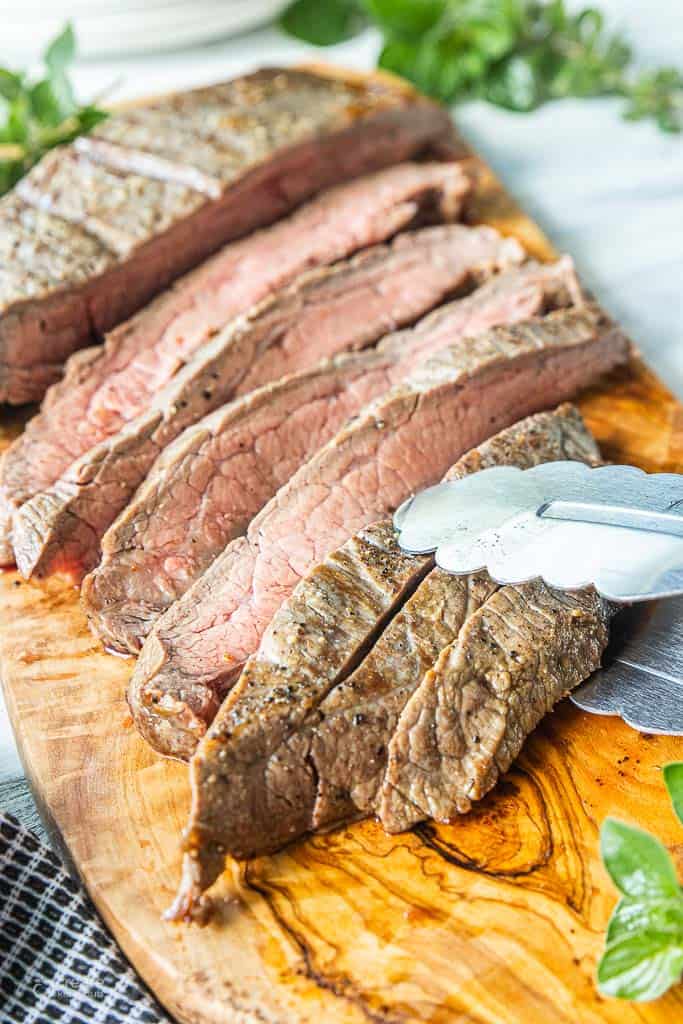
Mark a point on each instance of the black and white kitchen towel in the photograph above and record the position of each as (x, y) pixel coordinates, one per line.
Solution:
(58, 962)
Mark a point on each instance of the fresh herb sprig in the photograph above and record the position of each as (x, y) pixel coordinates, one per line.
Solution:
(36, 115)
(517, 54)
(644, 946)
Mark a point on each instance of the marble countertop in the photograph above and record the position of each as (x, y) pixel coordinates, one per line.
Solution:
(605, 190)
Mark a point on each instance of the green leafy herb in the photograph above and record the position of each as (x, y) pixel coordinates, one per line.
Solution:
(37, 115)
(517, 54)
(637, 863)
(673, 779)
(405, 17)
(644, 945)
(323, 24)
(658, 95)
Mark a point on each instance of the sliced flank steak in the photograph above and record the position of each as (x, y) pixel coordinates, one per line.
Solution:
(323, 313)
(205, 488)
(515, 658)
(301, 743)
(107, 386)
(402, 442)
(152, 192)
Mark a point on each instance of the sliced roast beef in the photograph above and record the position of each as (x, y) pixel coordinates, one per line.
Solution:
(60, 529)
(400, 443)
(317, 757)
(105, 387)
(524, 650)
(208, 485)
(359, 716)
(349, 306)
(44, 264)
(153, 192)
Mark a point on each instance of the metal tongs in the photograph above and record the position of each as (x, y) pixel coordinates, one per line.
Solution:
(614, 527)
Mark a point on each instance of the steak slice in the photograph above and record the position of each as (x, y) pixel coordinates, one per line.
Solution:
(360, 715)
(105, 387)
(402, 442)
(40, 256)
(330, 311)
(207, 486)
(519, 654)
(316, 755)
(151, 193)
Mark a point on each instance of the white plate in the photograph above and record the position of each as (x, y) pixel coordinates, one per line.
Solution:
(126, 28)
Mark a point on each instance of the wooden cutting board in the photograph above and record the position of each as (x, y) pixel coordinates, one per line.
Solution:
(497, 919)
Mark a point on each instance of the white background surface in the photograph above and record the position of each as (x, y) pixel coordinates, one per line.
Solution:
(608, 191)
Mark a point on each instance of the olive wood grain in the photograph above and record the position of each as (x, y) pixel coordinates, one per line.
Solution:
(496, 919)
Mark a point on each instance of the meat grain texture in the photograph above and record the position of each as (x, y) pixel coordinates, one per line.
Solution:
(346, 307)
(311, 735)
(401, 443)
(522, 651)
(206, 487)
(106, 387)
(100, 226)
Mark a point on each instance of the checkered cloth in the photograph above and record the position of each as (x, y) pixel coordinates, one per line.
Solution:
(57, 961)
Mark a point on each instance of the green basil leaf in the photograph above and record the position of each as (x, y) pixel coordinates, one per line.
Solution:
(323, 24)
(618, 54)
(405, 17)
(638, 864)
(436, 66)
(589, 24)
(630, 916)
(10, 173)
(640, 967)
(670, 121)
(550, 68)
(45, 105)
(11, 84)
(658, 95)
(493, 40)
(18, 122)
(515, 85)
(36, 115)
(673, 780)
(61, 51)
(88, 117)
(556, 15)
(63, 92)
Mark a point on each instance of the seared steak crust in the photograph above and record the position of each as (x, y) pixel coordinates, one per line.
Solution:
(105, 387)
(44, 261)
(524, 650)
(555, 436)
(349, 596)
(401, 443)
(360, 714)
(236, 124)
(121, 211)
(152, 193)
